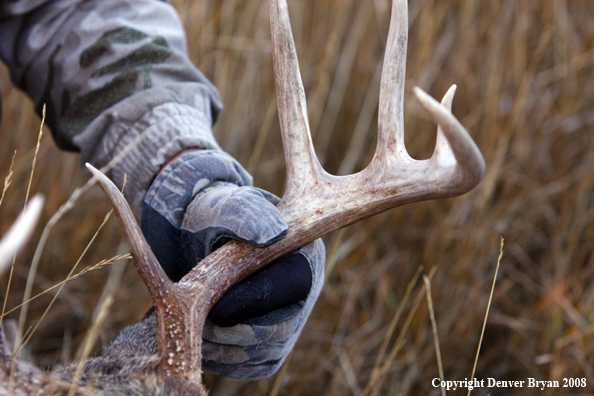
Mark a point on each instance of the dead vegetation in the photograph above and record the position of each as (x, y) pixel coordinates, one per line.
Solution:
(525, 73)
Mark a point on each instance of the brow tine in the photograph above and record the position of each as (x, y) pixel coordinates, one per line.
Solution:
(147, 264)
(148, 267)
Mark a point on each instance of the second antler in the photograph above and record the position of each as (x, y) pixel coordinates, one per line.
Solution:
(315, 202)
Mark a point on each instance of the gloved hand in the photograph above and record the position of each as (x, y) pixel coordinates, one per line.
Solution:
(200, 201)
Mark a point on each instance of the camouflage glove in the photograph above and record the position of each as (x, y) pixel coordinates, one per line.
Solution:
(200, 201)
(257, 347)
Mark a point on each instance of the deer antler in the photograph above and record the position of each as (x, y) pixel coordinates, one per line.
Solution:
(315, 202)
(20, 231)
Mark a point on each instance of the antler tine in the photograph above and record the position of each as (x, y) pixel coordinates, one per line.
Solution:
(390, 140)
(169, 302)
(457, 160)
(302, 162)
(442, 147)
(20, 231)
(457, 165)
(146, 263)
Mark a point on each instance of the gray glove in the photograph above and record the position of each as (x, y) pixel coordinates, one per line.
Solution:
(196, 204)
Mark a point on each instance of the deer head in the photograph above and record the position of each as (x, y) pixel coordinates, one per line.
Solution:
(315, 202)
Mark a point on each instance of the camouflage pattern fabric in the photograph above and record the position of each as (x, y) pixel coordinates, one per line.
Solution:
(259, 347)
(112, 73)
(201, 200)
(109, 71)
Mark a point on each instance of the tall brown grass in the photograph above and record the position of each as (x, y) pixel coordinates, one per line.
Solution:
(525, 75)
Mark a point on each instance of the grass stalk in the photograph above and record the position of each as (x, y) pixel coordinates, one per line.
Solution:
(435, 336)
(373, 387)
(99, 317)
(7, 182)
(478, 349)
(38, 322)
(8, 178)
(376, 367)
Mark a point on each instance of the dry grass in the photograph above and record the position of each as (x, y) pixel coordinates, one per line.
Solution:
(525, 75)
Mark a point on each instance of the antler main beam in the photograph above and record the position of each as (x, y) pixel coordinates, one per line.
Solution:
(315, 202)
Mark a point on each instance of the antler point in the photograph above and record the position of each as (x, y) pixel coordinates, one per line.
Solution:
(92, 169)
(423, 97)
(448, 98)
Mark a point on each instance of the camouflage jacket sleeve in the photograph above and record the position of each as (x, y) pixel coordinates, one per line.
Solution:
(109, 71)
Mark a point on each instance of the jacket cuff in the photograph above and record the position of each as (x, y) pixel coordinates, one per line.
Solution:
(139, 147)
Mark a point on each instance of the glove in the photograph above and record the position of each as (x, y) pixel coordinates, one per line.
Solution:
(258, 347)
(200, 201)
